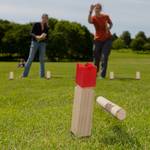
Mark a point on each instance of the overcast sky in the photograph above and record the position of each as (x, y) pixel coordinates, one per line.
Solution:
(132, 15)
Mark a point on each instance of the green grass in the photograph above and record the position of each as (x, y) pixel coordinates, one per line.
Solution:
(35, 114)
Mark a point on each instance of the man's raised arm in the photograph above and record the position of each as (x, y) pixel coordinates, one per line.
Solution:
(90, 14)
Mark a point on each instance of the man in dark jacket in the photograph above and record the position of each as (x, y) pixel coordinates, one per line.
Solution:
(39, 40)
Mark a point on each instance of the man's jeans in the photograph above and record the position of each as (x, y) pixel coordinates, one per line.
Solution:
(35, 46)
(101, 54)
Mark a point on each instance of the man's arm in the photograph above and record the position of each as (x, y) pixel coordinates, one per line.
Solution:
(110, 23)
(33, 31)
(90, 14)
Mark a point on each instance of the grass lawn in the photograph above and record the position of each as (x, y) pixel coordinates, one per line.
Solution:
(35, 114)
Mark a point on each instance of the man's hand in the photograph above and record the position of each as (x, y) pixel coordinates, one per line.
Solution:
(92, 8)
(41, 37)
(38, 38)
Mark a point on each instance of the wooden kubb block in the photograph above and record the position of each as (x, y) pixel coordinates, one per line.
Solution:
(83, 100)
(82, 111)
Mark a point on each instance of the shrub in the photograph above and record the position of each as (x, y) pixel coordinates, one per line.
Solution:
(137, 44)
(118, 44)
(126, 36)
(146, 46)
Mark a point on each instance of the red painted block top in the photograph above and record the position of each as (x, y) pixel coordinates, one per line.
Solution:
(86, 75)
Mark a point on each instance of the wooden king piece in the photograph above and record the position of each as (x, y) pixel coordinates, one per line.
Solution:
(83, 100)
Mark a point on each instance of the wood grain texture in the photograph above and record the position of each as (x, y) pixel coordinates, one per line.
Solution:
(82, 111)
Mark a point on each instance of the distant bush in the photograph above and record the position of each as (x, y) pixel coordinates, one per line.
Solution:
(66, 40)
(57, 47)
(146, 46)
(142, 35)
(118, 44)
(126, 37)
(137, 44)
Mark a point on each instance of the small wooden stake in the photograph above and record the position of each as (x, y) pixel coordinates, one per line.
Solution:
(112, 108)
(48, 75)
(11, 76)
(138, 75)
(112, 76)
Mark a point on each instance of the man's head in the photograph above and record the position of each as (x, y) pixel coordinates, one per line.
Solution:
(45, 18)
(98, 8)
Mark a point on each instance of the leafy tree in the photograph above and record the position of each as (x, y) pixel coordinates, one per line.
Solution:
(118, 44)
(148, 39)
(52, 23)
(9, 40)
(17, 40)
(67, 39)
(57, 47)
(137, 43)
(142, 35)
(126, 37)
(146, 46)
(88, 49)
(4, 27)
(114, 37)
(79, 39)
(23, 38)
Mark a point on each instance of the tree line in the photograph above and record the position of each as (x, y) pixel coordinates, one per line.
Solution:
(67, 40)
(124, 41)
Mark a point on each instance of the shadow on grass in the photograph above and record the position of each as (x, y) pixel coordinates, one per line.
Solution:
(125, 79)
(62, 76)
(119, 135)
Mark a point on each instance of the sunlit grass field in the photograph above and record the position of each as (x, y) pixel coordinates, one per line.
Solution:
(35, 114)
